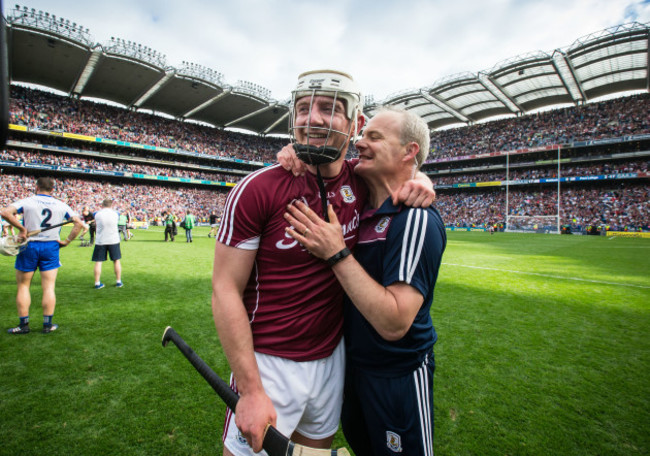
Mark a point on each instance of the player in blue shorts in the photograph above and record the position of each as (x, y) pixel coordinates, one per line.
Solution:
(389, 282)
(42, 252)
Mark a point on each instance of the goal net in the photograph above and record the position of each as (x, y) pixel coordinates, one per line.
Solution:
(533, 224)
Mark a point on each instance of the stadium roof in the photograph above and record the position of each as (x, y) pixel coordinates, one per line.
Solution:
(603, 63)
(55, 53)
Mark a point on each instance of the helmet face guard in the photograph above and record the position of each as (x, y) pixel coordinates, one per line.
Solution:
(339, 87)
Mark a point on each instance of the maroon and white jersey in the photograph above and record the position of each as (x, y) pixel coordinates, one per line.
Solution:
(294, 302)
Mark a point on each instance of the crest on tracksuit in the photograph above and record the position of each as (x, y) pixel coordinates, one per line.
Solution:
(393, 441)
(380, 228)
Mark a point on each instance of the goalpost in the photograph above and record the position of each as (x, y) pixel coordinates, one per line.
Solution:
(548, 224)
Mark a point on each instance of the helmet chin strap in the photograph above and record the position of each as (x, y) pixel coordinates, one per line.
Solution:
(317, 156)
(323, 194)
(313, 155)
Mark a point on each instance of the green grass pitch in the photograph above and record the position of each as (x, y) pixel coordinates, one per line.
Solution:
(543, 349)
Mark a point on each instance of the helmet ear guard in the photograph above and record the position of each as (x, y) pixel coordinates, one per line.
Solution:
(338, 86)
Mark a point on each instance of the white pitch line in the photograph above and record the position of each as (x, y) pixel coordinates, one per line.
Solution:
(549, 275)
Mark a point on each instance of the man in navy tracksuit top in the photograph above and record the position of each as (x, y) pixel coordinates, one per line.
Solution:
(389, 282)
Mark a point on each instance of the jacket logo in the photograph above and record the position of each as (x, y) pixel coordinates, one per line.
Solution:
(346, 193)
(393, 442)
(382, 225)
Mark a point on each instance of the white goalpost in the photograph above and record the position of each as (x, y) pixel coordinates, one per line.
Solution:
(548, 224)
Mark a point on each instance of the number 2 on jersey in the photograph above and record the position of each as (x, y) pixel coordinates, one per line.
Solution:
(47, 213)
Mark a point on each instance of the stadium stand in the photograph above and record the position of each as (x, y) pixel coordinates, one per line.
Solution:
(587, 162)
(604, 153)
(605, 176)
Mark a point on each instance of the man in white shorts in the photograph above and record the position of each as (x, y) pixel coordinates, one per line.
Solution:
(107, 242)
(277, 309)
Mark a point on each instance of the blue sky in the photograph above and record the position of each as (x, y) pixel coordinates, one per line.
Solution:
(388, 46)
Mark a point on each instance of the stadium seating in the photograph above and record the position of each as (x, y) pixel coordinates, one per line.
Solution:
(160, 163)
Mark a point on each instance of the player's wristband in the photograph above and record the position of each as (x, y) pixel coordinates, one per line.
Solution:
(338, 257)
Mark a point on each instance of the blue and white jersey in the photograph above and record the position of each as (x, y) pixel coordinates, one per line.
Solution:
(396, 244)
(42, 211)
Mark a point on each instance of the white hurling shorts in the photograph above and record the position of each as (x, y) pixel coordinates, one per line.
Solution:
(307, 397)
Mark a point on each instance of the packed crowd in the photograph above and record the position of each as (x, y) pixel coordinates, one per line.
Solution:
(598, 169)
(103, 165)
(607, 119)
(626, 207)
(145, 203)
(48, 111)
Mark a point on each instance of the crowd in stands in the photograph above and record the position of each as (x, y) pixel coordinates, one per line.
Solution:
(598, 169)
(118, 166)
(38, 109)
(621, 205)
(145, 203)
(607, 119)
(626, 207)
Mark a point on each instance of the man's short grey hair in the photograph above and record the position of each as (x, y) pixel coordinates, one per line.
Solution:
(414, 129)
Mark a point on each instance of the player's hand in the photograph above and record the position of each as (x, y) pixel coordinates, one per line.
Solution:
(415, 193)
(320, 238)
(23, 234)
(63, 243)
(289, 160)
(253, 414)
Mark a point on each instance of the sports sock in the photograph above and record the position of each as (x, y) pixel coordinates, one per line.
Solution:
(24, 320)
(47, 320)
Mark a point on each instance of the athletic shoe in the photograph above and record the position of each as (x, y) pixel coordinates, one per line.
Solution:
(22, 329)
(49, 328)
(119, 284)
(101, 285)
